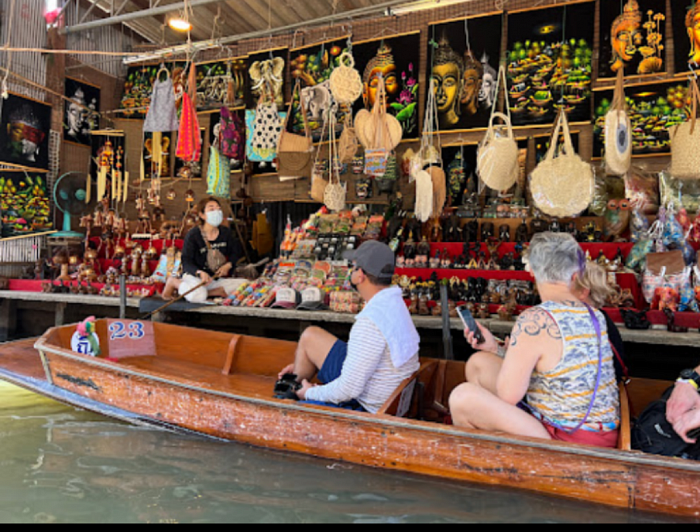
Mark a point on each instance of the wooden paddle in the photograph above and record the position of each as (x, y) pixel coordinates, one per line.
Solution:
(178, 298)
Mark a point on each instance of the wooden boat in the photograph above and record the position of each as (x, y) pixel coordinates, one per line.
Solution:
(220, 385)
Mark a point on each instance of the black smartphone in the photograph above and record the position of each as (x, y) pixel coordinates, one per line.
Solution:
(470, 323)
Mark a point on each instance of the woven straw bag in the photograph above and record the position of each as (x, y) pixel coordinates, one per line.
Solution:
(618, 132)
(685, 143)
(295, 152)
(345, 81)
(382, 130)
(348, 143)
(497, 157)
(562, 186)
(335, 192)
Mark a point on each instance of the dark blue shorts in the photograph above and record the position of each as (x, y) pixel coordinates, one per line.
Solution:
(331, 370)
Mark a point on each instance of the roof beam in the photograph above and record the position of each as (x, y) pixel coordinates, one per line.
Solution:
(120, 19)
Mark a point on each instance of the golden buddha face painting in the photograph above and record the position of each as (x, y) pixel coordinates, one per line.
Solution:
(473, 79)
(692, 23)
(381, 65)
(448, 80)
(626, 35)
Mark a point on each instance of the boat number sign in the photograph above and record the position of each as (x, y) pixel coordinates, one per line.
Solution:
(129, 338)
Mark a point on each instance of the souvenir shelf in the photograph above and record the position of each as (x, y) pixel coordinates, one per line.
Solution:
(455, 249)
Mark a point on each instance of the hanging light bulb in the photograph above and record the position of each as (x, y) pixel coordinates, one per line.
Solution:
(180, 24)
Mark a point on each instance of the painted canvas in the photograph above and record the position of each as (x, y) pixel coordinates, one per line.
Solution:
(653, 109)
(550, 58)
(311, 66)
(24, 132)
(80, 112)
(266, 74)
(632, 37)
(222, 83)
(465, 56)
(685, 15)
(139, 85)
(24, 203)
(396, 58)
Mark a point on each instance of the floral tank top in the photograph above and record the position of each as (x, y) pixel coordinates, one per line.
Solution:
(563, 395)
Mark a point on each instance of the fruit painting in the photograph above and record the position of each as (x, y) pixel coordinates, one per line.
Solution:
(24, 203)
(549, 63)
(653, 109)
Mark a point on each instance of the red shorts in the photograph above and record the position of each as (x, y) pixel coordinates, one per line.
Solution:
(584, 437)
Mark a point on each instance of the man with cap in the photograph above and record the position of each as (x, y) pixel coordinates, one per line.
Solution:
(382, 349)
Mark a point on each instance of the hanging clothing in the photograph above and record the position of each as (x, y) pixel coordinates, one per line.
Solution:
(162, 113)
(189, 141)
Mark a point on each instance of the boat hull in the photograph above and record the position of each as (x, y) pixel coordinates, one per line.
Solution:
(611, 477)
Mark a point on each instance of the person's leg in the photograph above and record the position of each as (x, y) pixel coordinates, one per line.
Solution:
(314, 346)
(477, 405)
(190, 282)
(474, 407)
(171, 285)
(224, 287)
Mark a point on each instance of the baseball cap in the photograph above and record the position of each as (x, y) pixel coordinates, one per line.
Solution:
(312, 298)
(374, 258)
(286, 297)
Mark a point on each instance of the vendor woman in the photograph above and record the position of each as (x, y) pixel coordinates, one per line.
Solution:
(208, 257)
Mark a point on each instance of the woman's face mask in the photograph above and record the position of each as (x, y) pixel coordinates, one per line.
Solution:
(215, 218)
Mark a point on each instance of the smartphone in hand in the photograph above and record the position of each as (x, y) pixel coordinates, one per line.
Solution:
(470, 323)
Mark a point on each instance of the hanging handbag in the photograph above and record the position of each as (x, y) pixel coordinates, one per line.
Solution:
(348, 143)
(295, 152)
(562, 186)
(231, 135)
(345, 81)
(618, 132)
(377, 132)
(497, 157)
(335, 192)
(218, 174)
(685, 142)
(264, 125)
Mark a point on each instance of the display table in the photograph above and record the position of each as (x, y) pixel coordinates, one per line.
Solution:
(58, 309)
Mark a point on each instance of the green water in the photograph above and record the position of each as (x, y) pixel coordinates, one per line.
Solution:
(62, 465)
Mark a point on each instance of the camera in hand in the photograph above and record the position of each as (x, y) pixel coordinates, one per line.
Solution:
(286, 387)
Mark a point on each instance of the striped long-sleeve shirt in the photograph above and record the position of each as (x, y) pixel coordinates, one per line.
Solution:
(368, 375)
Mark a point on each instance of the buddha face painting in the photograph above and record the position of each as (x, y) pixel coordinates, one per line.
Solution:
(692, 23)
(381, 65)
(473, 79)
(448, 80)
(25, 134)
(626, 35)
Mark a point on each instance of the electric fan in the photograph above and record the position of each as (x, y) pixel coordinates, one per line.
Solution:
(69, 194)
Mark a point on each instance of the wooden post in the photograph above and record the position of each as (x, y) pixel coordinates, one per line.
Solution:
(8, 319)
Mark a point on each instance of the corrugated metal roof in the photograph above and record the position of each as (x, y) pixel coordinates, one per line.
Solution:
(221, 18)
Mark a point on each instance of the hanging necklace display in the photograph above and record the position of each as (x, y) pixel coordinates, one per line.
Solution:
(618, 131)
(497, 156)
(335, 192)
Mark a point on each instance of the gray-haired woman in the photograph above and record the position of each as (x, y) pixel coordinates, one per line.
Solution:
(556, 380)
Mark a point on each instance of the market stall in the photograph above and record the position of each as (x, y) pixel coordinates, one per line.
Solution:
(453, 137)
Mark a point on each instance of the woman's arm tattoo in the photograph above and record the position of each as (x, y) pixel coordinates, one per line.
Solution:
(534, 322)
